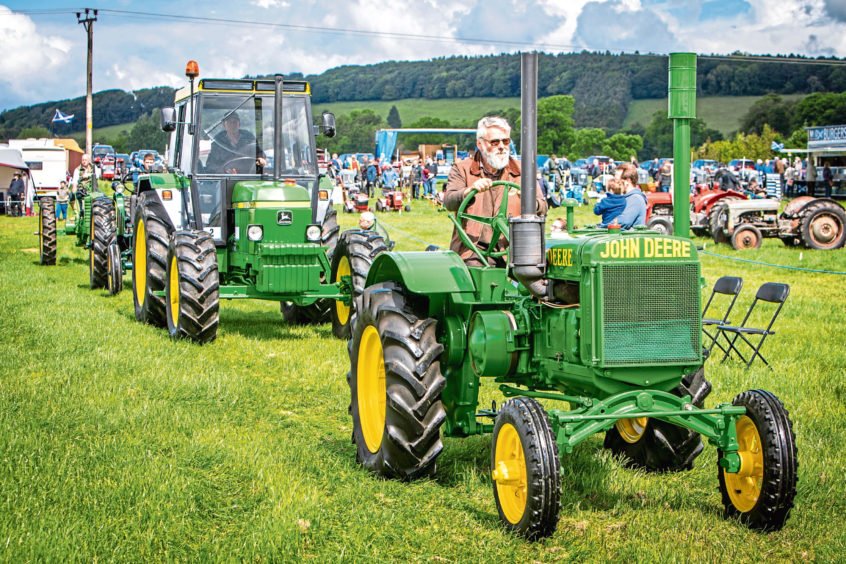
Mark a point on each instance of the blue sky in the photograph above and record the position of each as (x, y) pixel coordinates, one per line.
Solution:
(43, 46)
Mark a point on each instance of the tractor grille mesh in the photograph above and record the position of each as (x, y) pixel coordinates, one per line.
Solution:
(650, 314)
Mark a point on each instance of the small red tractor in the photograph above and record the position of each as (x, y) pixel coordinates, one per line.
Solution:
(659, 209)
(391, 200)
(354, 199)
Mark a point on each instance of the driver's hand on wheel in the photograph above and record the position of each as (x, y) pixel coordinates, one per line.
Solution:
(481, 185)
(261, 162)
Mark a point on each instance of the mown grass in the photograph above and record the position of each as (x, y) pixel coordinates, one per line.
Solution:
(454, 110)
(119, 444)
(722, 113)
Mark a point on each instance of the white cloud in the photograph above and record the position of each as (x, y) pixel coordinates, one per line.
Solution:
(29, 57)
(271, 3)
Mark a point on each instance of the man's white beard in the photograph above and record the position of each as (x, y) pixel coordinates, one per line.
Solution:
(497, 160)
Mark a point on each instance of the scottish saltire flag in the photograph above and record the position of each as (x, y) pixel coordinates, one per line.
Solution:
(62, 117)
(773, 146)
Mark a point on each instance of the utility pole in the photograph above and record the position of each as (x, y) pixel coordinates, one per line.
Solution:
(88, 23)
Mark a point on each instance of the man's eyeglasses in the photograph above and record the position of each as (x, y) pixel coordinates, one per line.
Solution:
(495, 142)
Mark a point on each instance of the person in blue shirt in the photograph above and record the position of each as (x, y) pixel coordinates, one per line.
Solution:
(635, 210)
(389, 179)
(613, 204)
(371, 174)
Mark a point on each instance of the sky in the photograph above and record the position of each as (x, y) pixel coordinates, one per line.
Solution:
(141, 44)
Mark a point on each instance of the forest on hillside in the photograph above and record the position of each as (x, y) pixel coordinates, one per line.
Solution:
(602, 85)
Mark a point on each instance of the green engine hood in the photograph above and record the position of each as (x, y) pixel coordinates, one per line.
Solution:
(269, 191)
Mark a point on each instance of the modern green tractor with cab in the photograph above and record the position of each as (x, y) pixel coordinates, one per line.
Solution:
(243, 213)
(604, 326)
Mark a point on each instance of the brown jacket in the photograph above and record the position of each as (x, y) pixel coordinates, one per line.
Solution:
(463, 174)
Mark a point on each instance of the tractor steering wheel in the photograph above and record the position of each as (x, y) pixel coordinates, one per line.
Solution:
(253, 160)
(498, 223)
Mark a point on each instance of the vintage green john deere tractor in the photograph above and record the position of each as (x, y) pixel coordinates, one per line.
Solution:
(220, 225)
(98, 227)
(604, 321)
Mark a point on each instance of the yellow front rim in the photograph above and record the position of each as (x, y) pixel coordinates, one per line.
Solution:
(139, 268)
(744, 487)
(109, 271)
(632, 429)
(174, 292)
(370, 380)
(510, 473)
(342, 310)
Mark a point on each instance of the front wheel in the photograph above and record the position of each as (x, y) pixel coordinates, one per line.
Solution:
(746, 237)
(192, 295)
(149, 264)
(761, 493)
(660, 224)
(352, 258)
(395, 386)
(103, 234)
(526, 469)
(115, 270)
(656, 445)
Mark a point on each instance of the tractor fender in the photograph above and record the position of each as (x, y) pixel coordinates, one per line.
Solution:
(165, 210)
(422, 272)
(798, 205)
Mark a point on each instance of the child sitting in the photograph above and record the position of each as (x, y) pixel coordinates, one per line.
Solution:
(612, 204)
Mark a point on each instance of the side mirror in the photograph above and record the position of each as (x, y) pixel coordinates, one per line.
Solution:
(168, 119)
(328, 124)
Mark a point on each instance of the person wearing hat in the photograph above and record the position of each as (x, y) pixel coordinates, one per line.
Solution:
(367, 221)
(16, 190)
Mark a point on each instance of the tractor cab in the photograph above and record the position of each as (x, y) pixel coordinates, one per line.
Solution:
(228, 153)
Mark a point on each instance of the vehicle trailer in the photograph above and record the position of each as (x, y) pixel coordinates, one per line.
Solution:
(604, 321)
(243, 213)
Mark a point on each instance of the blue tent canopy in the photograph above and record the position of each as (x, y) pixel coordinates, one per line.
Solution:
(386, 139)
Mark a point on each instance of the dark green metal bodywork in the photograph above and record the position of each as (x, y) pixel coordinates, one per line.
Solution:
(624, 339)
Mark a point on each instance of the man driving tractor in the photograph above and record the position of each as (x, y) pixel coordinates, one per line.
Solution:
(490, 163)
(233, 149)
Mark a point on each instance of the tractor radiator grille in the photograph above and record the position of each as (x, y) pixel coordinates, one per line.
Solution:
(650, 314)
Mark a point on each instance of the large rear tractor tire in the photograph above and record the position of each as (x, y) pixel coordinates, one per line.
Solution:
(762, 492)
(717, 218)
(103, 234)
(149, 264)
(656, 445)
(395, 386)
(823, 226)
(193, 297)
(47, 231)
(353, 256)
(526, 469)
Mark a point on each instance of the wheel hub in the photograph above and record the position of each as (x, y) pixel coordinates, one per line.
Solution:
(342, 310)
(744, 487)
(824, 229)
(632, 429)
(371, 390)
(510, 473)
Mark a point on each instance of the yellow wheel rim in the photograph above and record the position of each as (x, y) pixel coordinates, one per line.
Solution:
(139, 268)
(632, 429)
(342, 310)
(370, 380)
(109, 270)
(510, 473)
(174, 291)
(744, 487)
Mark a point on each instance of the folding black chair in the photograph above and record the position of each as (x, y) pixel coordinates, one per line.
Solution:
(729, 286)
(772, 292)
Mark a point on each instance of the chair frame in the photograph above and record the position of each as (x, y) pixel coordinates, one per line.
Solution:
(771, 292)
(729, 286)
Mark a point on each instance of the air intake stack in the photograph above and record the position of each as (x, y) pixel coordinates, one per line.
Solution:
(528, 255)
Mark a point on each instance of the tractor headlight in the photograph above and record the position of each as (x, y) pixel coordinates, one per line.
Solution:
(313, 233)
(255, 232)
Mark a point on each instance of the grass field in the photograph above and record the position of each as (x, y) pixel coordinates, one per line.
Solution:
(455, 110)
(722, 113)
(117, 444)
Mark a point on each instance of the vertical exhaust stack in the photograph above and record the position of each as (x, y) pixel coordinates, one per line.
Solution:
(528, 255)
(277, 127)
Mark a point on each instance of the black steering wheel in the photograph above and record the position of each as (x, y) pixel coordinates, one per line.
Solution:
(251, 148)
(498, 223)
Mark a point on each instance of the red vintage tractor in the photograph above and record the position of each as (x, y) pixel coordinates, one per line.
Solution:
(391, 200)
(659, 209)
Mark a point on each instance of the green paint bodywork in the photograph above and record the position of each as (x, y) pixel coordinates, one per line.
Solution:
(624, 339)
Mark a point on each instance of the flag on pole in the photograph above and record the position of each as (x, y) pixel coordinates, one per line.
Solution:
(64, 118)
(774, 146)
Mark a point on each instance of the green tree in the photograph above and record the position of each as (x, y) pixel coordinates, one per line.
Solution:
(555, 125)
(658, 137)
(586, 142)
(356, 132)
(36, 131)
(394, 120)
(147, 133)
(772, 110)
(622, 146)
